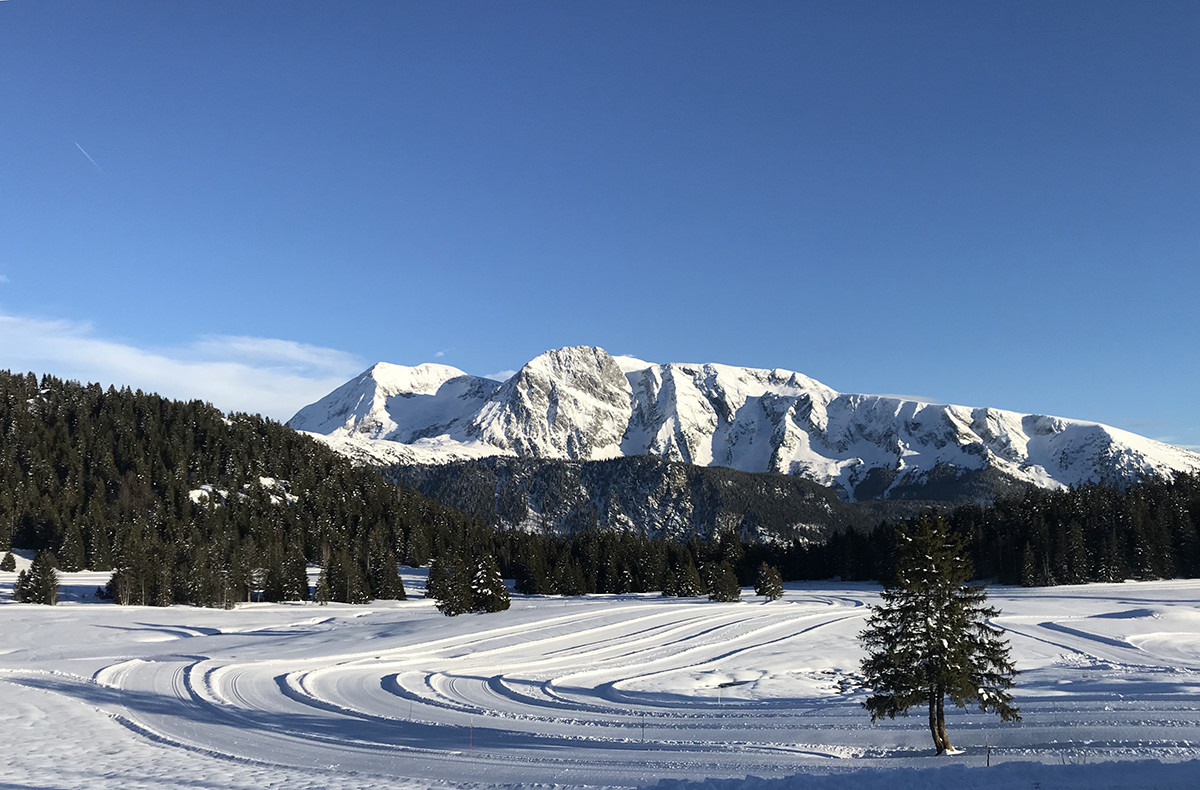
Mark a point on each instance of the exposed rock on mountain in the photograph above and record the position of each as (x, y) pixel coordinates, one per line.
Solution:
(582, 404)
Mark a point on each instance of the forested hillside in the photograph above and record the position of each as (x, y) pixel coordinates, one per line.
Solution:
(639, 494)
(186, 504)
(1086, 534)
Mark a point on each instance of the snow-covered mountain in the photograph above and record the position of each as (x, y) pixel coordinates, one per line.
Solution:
(584, 404)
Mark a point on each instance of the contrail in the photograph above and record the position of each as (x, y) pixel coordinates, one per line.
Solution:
(89, 158)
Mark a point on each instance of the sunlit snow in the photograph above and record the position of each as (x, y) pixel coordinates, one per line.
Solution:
(583, 404)
(613, 691)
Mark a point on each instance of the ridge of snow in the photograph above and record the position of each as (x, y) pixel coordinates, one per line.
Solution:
(581, 403)
(630, 364)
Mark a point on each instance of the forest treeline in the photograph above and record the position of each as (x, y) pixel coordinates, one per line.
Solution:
(1090, 533)
(188, 505)
(185, 504)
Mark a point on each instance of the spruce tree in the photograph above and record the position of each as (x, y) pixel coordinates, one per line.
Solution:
(9, 563)
(683, 580)
(437, 581)
(930, 637)
(21, 587)
(70, 552)
(487, 588)
(295, 573)
(39, 584)
(321, 592)
(722, 582)
(768, 584)
(453, 591)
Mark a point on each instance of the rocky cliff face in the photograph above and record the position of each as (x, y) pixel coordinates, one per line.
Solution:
(582, 404)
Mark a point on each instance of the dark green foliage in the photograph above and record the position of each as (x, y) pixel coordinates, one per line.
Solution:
(187, 505)
(451, 586)
(488, 591)
(930, 638)
(683, 579)
(437, 583)
(39, 584)
(321, 592)
(768, 583)
(1087, 534)
(70, 553)
(382, 566)
(9, 562)
(345, 578)
(459, 586)
(721, 582)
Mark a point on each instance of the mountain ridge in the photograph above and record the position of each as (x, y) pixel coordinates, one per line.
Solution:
(582, 404)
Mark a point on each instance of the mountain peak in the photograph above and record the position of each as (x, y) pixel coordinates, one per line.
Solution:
(567, 403)
(581, 403)
(423, 379)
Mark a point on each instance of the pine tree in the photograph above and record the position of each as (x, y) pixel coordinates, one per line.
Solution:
(295, 572)
(321, 592)
(722, 582)
(9, 563)
(382, 567)
(487, 588)
(452, 590)
(71, 554)
(768, 584)
(39, 584)
(683, 580)
(930, 638)
(437, 581)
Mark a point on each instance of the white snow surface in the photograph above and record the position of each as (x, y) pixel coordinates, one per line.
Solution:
(595, 691)
(583, 404)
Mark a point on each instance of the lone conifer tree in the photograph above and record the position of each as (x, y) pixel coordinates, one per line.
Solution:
(768, 584)
(451, 587)
(930, 637)
(488, 591)
(39, 584)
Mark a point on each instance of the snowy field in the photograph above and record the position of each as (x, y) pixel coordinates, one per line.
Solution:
(611, 691)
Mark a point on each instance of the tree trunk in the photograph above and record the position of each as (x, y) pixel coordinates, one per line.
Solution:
(941, 718)
(934, 729)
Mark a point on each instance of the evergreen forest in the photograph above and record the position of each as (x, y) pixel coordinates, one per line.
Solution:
(185, 504)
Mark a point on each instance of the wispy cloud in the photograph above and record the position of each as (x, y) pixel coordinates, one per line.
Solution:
(1178, 441)
(89, 158)
(235, 373)
(502, 375)
(3, 278)
(917, 398)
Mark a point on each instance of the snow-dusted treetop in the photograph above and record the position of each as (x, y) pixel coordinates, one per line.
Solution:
(582, 403)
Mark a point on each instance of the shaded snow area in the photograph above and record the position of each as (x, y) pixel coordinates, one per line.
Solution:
(596, 691)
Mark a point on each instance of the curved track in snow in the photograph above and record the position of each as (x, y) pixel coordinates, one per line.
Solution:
(627, 691)
(619, 691)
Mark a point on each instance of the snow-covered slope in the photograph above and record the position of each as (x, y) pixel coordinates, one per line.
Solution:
(583, 404)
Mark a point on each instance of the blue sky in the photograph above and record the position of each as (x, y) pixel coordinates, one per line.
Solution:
(980, 203)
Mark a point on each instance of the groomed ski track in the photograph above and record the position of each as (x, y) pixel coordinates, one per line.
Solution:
(607, 690)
